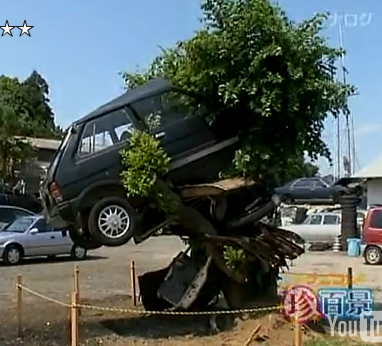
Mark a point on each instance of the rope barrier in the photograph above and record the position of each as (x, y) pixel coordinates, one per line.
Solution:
(75, 305)
(42, 296)
(151, 313)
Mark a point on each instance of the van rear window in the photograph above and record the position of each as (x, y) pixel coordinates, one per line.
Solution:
(376, 219)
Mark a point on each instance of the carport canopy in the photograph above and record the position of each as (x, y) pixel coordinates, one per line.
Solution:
(374, 170)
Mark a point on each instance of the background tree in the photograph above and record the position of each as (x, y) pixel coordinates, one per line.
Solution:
(297, 167)
(30, 101)
(14, 150)
(261, 75)
(24, 111)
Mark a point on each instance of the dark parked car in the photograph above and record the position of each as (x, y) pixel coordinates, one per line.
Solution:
(8, 214)
(25, 201)
(10, 196)
(310, 189)
(83, 191)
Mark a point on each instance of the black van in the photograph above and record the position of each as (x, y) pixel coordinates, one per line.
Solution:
(82, 189)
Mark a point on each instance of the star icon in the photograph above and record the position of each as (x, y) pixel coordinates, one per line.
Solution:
(7, 29)
(25, 29)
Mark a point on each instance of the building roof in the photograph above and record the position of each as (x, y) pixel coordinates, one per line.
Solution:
(43, 143)
(374, 170)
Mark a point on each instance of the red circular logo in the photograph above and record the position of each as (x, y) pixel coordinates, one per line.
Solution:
(301, 304)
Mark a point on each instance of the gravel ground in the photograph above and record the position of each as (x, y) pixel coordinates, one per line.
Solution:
(105, 281)
(336, 263)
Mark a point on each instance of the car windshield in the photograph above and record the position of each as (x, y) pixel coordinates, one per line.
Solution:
(20, 225)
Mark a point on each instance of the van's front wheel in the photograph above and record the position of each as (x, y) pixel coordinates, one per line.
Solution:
(112, 221)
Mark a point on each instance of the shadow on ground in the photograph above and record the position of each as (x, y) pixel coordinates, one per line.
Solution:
(158, 326)
(58, 259)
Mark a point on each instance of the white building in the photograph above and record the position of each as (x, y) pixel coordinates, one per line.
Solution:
(373, 177)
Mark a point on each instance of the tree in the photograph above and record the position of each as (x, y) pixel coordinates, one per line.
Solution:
(29, 101)
(297, 167)
(261, 76)
(267, 78)
(24, 111)
(36, 91)
(14, 150)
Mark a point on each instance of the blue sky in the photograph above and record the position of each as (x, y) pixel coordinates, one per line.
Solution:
(81, 46)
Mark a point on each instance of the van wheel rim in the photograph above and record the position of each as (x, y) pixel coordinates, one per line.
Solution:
(114, 221)
(373, 255)
(13, 256)
(79, 252)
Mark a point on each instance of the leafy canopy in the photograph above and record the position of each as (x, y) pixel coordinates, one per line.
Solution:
(267, 78)
(139, 175)
(30, 102)
(14, 150)
(24, 111)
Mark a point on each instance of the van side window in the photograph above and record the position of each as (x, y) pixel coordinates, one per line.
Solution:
(331, 220)
(376, 219)
(164, 109)
(104, 132)
(313, 220)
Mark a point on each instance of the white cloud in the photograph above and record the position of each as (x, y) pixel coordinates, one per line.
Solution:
(367, 129)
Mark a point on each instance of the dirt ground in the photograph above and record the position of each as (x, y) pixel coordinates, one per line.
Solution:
(105, 281)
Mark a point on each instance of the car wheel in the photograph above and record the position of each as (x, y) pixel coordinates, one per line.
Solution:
(373, 255)
(83, 239)
(12, 254)
(78, 252)
(112, 221)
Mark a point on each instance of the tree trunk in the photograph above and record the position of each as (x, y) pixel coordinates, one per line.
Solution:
(196, 223)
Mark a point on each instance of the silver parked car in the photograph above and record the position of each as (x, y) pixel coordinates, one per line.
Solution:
(31, 236)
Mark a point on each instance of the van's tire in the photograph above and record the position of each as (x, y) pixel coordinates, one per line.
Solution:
(83, 240)
(112, 221)
(373, 255)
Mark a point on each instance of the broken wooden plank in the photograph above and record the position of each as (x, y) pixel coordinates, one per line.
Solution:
(213, 189)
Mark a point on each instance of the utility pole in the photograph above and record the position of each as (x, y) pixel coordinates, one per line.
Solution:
(348, 135)
(338, 147)
(353, 146)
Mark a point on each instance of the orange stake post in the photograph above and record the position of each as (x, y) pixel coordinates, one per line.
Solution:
(133, 283)
(74, 320)
(298, 335)
(77, 286)
(19, 306)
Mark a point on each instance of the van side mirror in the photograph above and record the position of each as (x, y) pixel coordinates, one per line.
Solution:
(33, 231)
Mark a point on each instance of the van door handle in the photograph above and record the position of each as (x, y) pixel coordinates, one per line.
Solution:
(160, 134)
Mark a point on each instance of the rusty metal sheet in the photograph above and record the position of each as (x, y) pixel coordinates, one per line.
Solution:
(193, 290)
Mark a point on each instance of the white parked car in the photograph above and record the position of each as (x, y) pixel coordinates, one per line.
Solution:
(30, 236)
(318, 228)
